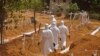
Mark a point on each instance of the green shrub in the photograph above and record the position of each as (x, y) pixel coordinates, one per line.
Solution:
(73, 7)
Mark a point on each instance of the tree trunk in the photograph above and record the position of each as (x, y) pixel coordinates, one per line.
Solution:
(2, 18)
(35, 20)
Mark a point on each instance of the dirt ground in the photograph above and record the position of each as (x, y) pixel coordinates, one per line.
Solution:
(82, 43)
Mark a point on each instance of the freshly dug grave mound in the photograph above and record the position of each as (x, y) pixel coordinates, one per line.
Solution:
(15, 47)
(85, 46)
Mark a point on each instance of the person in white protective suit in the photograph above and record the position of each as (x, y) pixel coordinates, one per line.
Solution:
(53, 20)
(47, 40)
(63, 32)
(56, 34)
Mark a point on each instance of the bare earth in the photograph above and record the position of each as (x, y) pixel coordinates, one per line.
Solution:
(82, 43)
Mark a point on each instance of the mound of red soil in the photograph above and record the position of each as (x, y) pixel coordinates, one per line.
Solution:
(16, 48)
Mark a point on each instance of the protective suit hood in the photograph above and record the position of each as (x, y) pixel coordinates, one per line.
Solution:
(62, 22)
(53, 18)
(46, 26)
(53, 24)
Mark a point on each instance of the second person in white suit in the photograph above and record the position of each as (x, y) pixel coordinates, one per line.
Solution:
(56, 34)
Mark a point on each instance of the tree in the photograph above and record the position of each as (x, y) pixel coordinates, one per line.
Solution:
(35, 5)
(2, 18)
(9, 5)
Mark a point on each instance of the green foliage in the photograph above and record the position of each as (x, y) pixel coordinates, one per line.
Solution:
(22, 4)
(73, 7)
(35, 4)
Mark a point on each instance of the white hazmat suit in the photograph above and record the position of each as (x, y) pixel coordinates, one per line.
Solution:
(56, 32)
(47, 40)
(53, 20)
(63, 33)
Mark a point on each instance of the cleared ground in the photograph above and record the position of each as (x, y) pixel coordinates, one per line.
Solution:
(83, 44)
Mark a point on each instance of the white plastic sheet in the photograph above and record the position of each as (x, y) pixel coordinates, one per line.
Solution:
(95, 31)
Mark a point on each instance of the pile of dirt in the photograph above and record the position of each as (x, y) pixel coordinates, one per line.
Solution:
(83, 44)
(16, 48)
(86, 46)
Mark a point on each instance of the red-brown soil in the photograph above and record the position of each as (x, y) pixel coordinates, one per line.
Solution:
(82, 43)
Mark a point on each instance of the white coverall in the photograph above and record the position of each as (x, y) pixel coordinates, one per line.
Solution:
(53, 20)
(56, 32)
(47, 41)
(63, 33)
